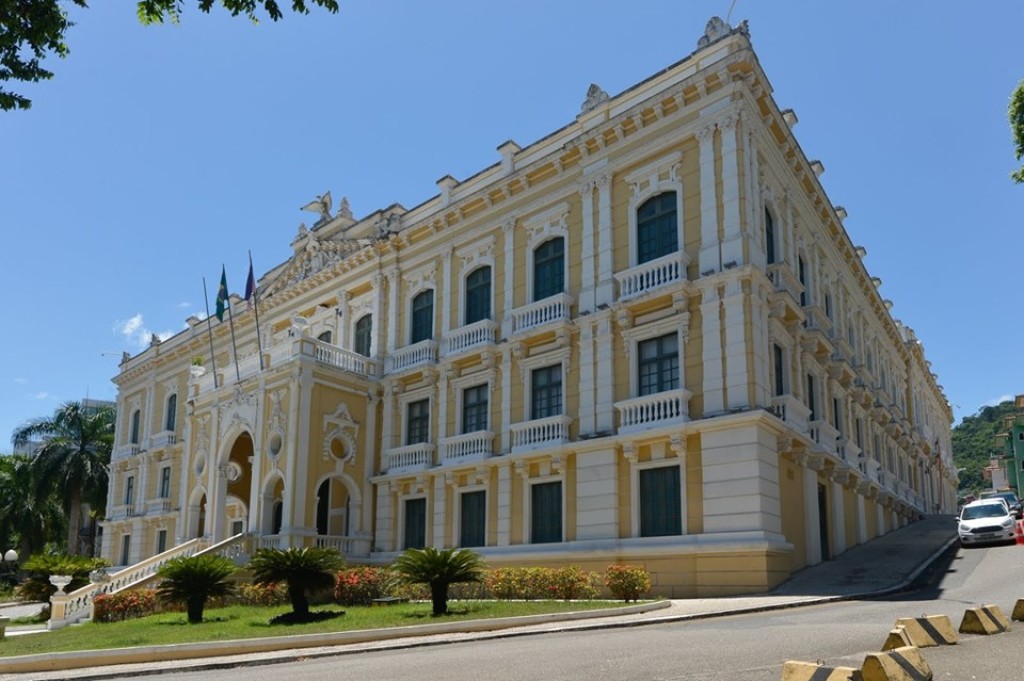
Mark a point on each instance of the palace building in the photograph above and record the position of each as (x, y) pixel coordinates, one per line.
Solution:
(646, 338)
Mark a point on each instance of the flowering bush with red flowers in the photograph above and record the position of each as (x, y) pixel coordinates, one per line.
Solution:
(628, 582)
(532, 583)
(124, 605)
(262, 594)
(360, 585)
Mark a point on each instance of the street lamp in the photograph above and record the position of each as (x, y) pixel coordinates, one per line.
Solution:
(11, 556)
(10, 567)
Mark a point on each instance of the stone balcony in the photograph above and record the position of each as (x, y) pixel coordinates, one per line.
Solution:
(417, 457)
(124, 451)
(158, 506)
(825, 436)
(786, 291)
(652, 275)
(471, 336)
(162, 440)
(553, 309)
(653, 411)
(792, 411)
(475, 446)
(540, 433)
(411, 356)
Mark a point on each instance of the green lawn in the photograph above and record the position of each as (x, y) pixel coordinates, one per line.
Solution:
(252, 622)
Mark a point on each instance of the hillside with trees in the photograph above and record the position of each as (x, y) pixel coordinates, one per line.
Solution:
(974, 442)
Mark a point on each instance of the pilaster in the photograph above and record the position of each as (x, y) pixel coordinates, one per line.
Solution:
(605, 290)
(710, 246)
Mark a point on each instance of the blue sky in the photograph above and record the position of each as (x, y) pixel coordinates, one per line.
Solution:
(158, 153)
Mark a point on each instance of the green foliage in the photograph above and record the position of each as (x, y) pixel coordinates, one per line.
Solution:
(31, 30)
(193, 580)
(1016, 115)
(360, 585)
(124, 605)
(538, 583)
(30, 514)
(303, 570)
(39, 568)
(628, 582)
(439, 570)
(73, 460)
(974, 443)
(262, 594)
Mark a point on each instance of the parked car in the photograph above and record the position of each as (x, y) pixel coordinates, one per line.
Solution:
(986, 521)
(1011, 500)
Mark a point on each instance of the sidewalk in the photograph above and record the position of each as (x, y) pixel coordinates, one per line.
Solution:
(881, 566)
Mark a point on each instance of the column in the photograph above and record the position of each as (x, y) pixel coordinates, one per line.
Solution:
(605, 289)
(377, 320)
(710, 253)
(387, 436)
(385, 517)
(711, 327)
(812, 518)
(587, 292)
(732, 240)
(393, 314)
(588, 380)
(838, 520)
(737, 377)
(147, 415)
(445, 299)
(754, 202)
(604, 380)
(219, 491)
(506, 400)
(862, 523)
(343, 328)
(182, 471)
(504, 504)
(438, 538)
(442, 404)
(508, 229)
(141, 493)
(371, 460)
(760, 344)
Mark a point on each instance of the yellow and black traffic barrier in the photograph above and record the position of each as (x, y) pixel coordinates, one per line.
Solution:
(901, 664)
(988, 619)
(925, 632)
(898, 638)
(815, 671)
(1018, 611)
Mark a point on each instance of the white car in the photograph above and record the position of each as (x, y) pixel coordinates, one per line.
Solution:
(986, 521)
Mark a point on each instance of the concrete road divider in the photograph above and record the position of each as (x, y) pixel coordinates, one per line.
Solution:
(988, 619)
(814, 671)
(1018, 611)
(898, 638)
(901, 664)
(925, 632)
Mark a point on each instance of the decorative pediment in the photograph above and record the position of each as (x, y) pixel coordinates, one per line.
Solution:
(340, 433)
(240, 410)
(313, 255)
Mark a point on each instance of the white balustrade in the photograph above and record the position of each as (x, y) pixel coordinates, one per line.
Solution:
(540, 433)
(469, 336)
(164, 438)
(651, 275)
(784, 280)
(424, 352)
(124, 451)
(345, 359)
(823, 433)
(792, 411)
(157, 506)
(551, 309)
(467, 447)
(346, 546)
(409, 457)
(651, 411)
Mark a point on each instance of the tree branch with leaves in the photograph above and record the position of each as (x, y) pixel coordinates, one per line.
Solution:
(1016, 114)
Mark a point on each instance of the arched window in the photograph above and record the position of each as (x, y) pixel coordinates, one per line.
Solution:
(136, 422)
(769, 236)
(549, 269)
(478, 295)
(172, 412)
(323, 506)
(364, 329)
(325, 337)
(657, 227)
(422, 316)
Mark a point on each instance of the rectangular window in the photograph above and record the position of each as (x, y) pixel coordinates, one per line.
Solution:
(415, 536)
(364, 331)
(780, 382)
(657, 228)
(165, 482)
(658, 368)
(417, 427)
(660, 504)
(837, 415)
(161, 541)
(126, 549)
(860, 433)
(769, 236)
(810, 397)
(474, 408)
(136, 420)
(546, 512)
(473, 519)
(546, 392)
(549, 269)
(129, 490)
(422, 317)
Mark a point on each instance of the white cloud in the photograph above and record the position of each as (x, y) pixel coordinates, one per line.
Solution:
(41, 396)
(22, 381)
(184, 305)
(997, 400)
(135, 331)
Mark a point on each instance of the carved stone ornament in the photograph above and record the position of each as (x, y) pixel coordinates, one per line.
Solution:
(240, 410)
(595, 96)
(716, 29)
(278, 419)
(340, 426)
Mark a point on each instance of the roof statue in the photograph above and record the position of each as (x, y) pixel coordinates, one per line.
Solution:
(344, 210)
(595, 96)
(718, 28)
(321, 205)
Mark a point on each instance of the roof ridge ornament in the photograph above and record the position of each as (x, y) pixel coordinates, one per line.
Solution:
(595, 96)
(717, 28)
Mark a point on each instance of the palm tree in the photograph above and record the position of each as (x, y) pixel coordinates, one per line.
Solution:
(194, 579)
(303, 570)
(74, 457)
(30, 518)
(439, 569)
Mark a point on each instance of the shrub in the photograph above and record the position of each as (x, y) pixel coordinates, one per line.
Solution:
(304, 571)
(439, 569)
(124, 605)
(193, 580)
(531, 583)
(628, 582)
(571, 583)
(262, 594)
(39, 568)
(360, 585)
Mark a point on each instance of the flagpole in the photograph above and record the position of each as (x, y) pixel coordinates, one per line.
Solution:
(231, 324)
(255, 307)
(209, 328)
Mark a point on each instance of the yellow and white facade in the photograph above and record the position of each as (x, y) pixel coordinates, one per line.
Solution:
(645, 338)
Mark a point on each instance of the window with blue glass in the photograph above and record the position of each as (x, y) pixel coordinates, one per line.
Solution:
(473, 518)
(364, 327)
(133, 437)
(478, 295)
(658, 364)
(415, 535)
(660, 504)
(549, 269)
(474, 408)
(417, 426)
(422, 317)
(546, 392)
(657, 227)
(546, 512)
(172, 413)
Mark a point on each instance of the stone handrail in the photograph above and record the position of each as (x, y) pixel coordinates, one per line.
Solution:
(550, 309)
(648, 411)
(651, 275)
(538, 433)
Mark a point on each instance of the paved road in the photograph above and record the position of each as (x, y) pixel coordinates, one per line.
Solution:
(736, 648)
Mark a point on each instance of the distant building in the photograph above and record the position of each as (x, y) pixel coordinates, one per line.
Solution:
(645, 338)
(1010, 443)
